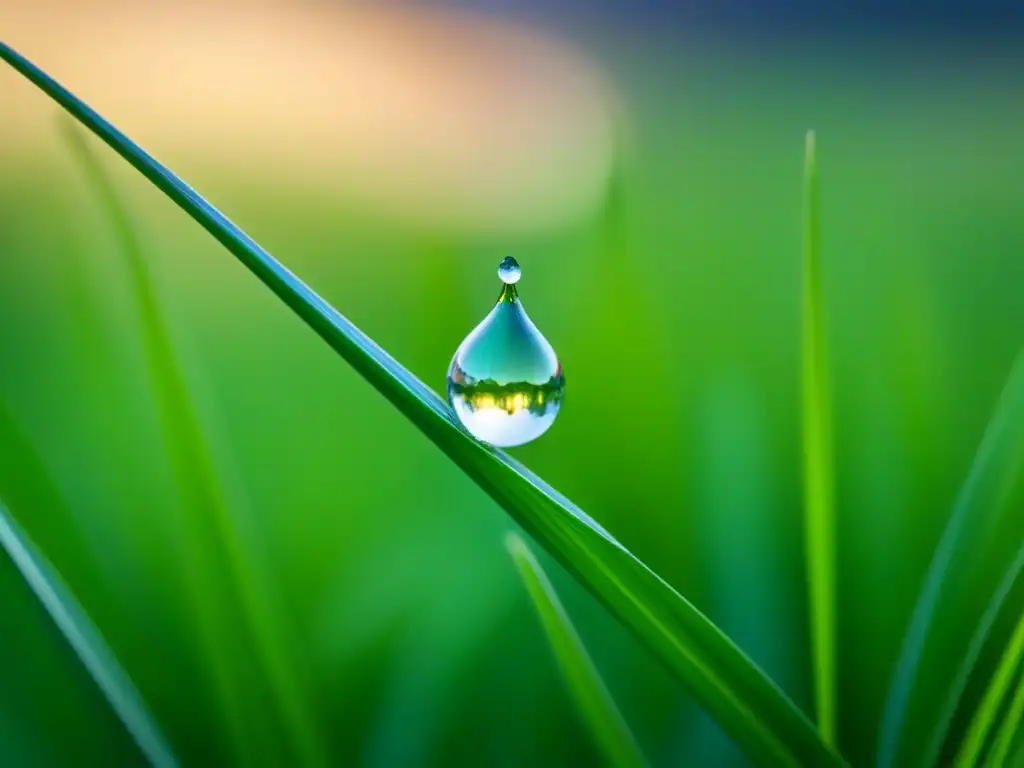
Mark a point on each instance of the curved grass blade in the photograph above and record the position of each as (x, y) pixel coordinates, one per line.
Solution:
(819, 482)
(911, 719)
(588, 690)
(1008, 731)
(946, 710)
(238, 632)
(748, 705)
(985, 716)
(86, 642)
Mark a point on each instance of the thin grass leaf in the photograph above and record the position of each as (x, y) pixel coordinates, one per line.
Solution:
(86, 642)
(748, 705)
(595, 703)
(912, 725)
(984, 718)
(946, 710)
(1008, 730)
(819, 480)
(231, 606)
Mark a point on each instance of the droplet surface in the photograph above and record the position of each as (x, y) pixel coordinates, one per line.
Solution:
(509, 271)
(505, 382)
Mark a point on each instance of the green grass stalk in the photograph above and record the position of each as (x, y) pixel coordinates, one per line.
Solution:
(86, 642)
(1008, 730)
(222, 578)
(819, 479)
(739, 696)
(918, 706)
(597, 709)
(984, 718)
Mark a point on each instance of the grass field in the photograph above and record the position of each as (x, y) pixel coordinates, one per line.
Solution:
(374, 576)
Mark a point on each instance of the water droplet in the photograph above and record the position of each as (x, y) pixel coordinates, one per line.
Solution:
(509, 271)
(505, 382)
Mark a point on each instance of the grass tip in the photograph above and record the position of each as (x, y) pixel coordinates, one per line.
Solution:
(515, 545)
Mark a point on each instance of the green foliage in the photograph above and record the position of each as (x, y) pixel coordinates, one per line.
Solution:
(239, 631)
(740, 697)
(84, 642)
(1009, 730)
(985, 715)
(921, 703)
(819, 490)
(374, 538)
(595, 704)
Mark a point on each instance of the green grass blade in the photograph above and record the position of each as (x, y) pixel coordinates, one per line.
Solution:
(819, 481)
(946, 709)
(912, 723)
(1008, 730)
(588, 690)
(984, 718)
(86, 642)
(231, 604)
(748, 705)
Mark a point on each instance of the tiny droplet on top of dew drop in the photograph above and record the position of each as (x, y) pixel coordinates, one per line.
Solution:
(509, 271)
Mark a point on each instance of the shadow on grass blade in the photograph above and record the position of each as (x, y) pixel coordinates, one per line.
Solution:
(595, 704)
(932, 670)
(235, 621)
(819, 482)
(86, 642)
(746, 703)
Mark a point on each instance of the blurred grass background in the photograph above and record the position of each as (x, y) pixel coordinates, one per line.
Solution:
(651, 191)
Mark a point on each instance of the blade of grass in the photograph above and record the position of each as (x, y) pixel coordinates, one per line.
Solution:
(48, 524)
(946, 709)
(745, 702)
(984, 718)
(910, 718)
(1008, 729)
(221, 575)
(819, 483)
(86, 642)
(586, 687)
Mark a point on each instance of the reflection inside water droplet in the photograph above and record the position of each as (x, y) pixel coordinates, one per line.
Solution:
(505, 382)
(509, 271)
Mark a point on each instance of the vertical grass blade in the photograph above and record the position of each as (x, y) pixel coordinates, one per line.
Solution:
(819, 482)
(232, 611)
(983, 720)
(1008, 730)
(86, 642)
(586, 687)
(911, 716)
(744, 701)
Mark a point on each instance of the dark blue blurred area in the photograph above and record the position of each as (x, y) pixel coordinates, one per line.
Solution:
(948, 18)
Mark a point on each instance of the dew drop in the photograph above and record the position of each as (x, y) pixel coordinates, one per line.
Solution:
(505, 382)
(509, 271)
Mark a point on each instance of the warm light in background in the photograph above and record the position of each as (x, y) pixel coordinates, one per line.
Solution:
(443, 118)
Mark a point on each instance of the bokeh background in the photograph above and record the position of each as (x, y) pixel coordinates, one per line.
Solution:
(642, 162)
